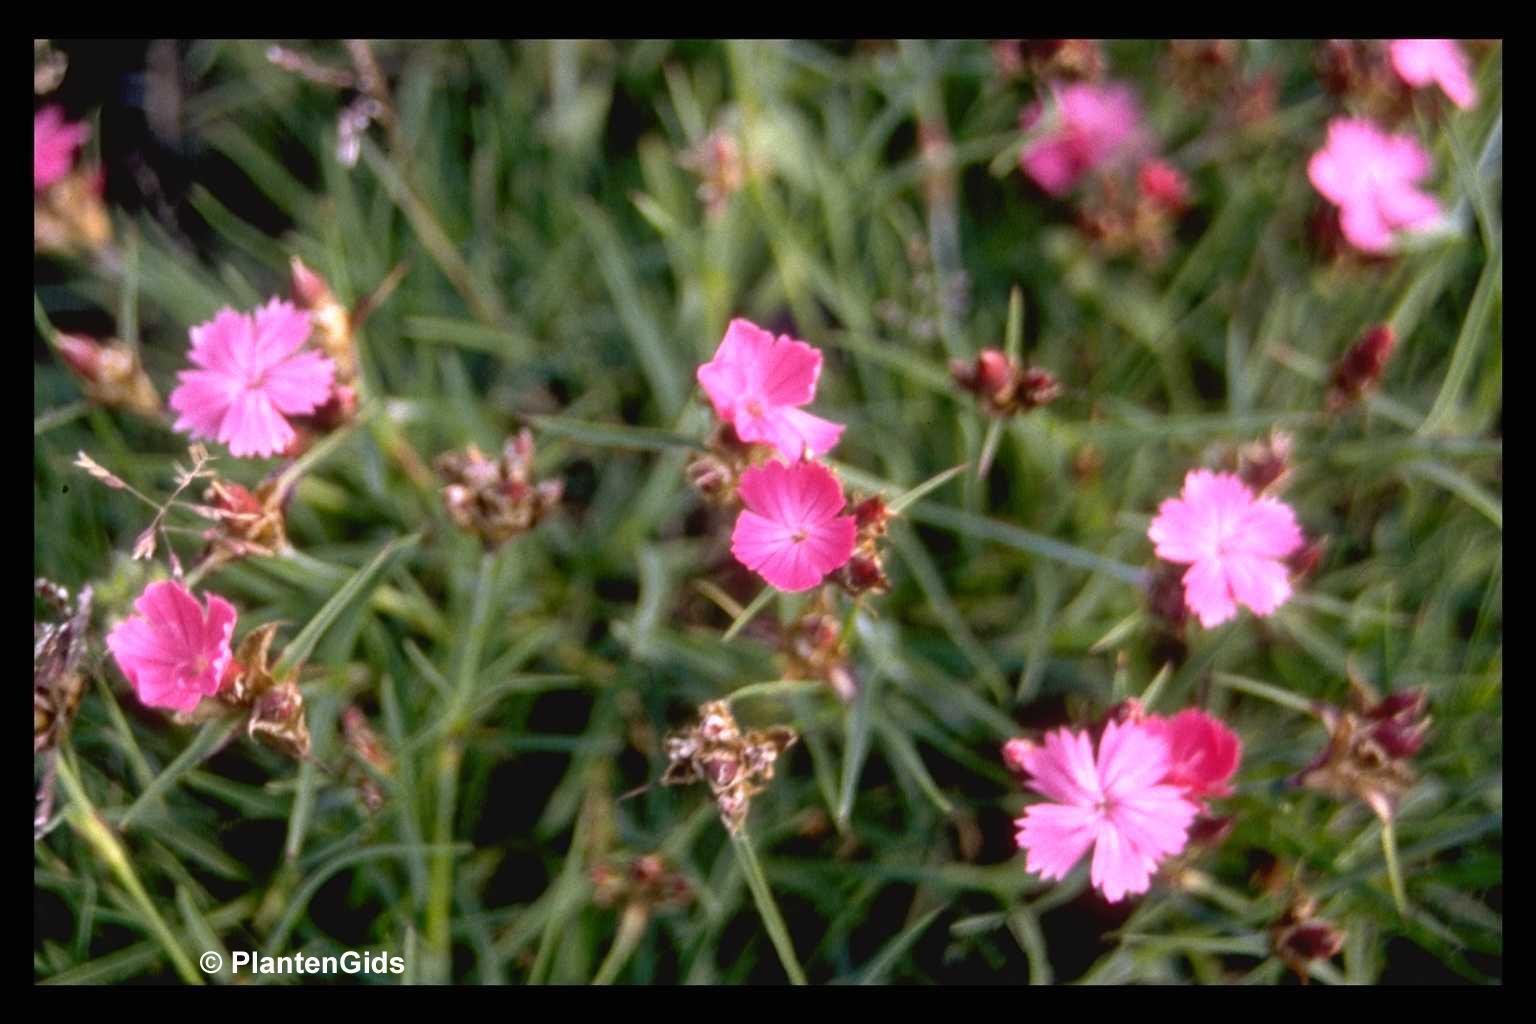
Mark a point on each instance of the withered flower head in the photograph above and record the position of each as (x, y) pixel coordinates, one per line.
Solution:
(1003, 387)
(1361, 368)
(1203, 69)
(365, 745)
(244, 522)
(58, 648)
(813, 648)
(111, 374)
(1370, 748)
(648, 882)
(1300, 937)
(1360, 73)
(864, 572)
(736, 766)
(276, 706)
(717, 160)
(1266, 465)
(716, 473)
(1058, 58)
(496, 499)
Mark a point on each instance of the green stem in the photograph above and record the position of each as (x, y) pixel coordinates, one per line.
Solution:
(1394, 869)
(631, 931)
(85, 820)
(772, 919)
(758, 604)
(451, 755)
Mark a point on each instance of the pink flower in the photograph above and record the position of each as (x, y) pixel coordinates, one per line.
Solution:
(53, 146)
(1233, 543)
(756, 381)
(1441, 61)
(791, 532)
(173, 652)
(1117, 804)
(1371, 176)
(1096, 122)
(1202, 752)
(251, 376)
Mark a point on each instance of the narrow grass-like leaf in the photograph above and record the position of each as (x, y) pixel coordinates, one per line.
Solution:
(352, 593)
(752, 870)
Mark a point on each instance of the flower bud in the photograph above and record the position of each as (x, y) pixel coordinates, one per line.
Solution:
(1266, 465)
(1163, 184)
(111, 374)
(1361, 368)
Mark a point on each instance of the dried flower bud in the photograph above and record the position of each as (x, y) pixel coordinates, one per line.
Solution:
(111, 374)
(70, 216)
(276, 708)
(1361, 368)
(1266, 465)
(735, 766)
(496, 499)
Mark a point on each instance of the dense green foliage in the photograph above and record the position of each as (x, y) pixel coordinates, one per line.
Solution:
(563, 274)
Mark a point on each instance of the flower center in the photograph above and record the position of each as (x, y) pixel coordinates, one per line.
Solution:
(754, 408)
(800, 535)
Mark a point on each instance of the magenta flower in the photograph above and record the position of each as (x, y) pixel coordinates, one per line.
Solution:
(791, 532)
(53, 146)
(252, 376)
(1118, 804)
(1421, 62)
(757, 381)
(1371, 176)
(1232, 542)
(173, 652)
(1096, 122)
(1202, 752)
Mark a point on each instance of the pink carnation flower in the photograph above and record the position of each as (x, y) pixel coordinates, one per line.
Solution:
(1421, 62)
(757, 381)
(251, 378)
(791, 532)
(53, 146)
(1233, 543)
(1202, 752)
(173, 652)
(1096, 122)
(1371, 176)
(1118, 804)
